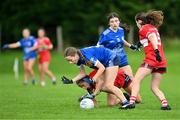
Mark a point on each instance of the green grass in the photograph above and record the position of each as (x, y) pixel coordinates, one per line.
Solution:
(60, 101)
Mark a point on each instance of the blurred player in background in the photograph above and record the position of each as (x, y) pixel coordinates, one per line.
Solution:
(26, 43)
(155, 61)
(122, 81)
(113, 38)
(105, 61)
(44, 46)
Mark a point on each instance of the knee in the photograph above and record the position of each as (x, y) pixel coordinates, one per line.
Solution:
(111, 103)
(45, 70)
(108, 86)
(29, 69)
(154, 88)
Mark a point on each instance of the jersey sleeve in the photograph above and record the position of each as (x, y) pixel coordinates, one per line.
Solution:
(101, 40)
(20, 42)
(92, 60)
(34, 41)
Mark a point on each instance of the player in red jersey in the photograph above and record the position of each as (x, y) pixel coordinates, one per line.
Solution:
(44, 46)
(122, 81)
(155, 61)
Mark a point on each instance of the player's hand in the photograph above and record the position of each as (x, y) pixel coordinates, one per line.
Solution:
(90, 96)
(139, 45)
(5, 46)
(134, 47)
(44, 47)
(80, 98)
(66, 80)
(158, 57)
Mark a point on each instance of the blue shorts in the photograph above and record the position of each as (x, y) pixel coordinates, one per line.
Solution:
(114, 61)
(121, 55)
(29, 56)
(123, 61)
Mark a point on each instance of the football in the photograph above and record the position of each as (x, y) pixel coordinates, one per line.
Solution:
(86, 103)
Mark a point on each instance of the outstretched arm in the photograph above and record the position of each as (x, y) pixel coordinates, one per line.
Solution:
(13, 45)
(126, 43)
(81, 74)
(131, 46)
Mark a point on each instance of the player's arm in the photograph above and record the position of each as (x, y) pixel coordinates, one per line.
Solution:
(126, 43)
(131, 46)
(99, 82)
(12, 45)
(81, 74)
(48, 45)
(154, 41)
(35, 47)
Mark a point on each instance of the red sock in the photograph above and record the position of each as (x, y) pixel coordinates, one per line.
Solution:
(164, 102)
(132, 99)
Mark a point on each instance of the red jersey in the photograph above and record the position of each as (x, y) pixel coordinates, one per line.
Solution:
(150, 57)
(44, 54)
(121, 81)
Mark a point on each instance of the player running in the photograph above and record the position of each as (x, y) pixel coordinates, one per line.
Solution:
(155, 61)
(44, 46)
(26, 43)
(122, 81)
(105, 61)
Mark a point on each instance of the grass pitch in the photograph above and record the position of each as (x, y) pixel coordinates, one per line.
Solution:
(60, 102)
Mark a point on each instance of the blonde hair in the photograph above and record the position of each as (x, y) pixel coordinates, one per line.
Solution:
(71, 51)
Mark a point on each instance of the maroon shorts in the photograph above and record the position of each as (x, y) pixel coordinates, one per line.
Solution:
(160, 70)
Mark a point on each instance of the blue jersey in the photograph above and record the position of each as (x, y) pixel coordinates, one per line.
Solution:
(111, 39)
(26, 44)
(91, 55)
(114, 41)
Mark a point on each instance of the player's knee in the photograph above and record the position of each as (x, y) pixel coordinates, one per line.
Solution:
(111, 103)
(154, 89)
(29, 69)
(108, 86)
(45, 70)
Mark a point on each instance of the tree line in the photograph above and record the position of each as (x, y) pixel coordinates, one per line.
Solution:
(79, 19)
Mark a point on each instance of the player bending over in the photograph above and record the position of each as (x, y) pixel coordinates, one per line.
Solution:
(122, 81)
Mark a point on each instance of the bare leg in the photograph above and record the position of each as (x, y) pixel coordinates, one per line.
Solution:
(26, 73)
(129, 90)
(140, 74)
(42, 82)
(128, 71)
(110, 75)
(30, 67)
(112, 99)
(45, 67)
(156, 79)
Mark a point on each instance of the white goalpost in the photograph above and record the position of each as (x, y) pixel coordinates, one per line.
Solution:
(16, 68)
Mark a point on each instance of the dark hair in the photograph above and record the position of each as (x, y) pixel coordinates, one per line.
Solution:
(71, 51)
(152, 17)
(123, 25)
(112, 15)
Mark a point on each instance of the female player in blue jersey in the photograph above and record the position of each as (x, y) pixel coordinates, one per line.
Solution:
(113, 38)
(29, 56)
(105, 61)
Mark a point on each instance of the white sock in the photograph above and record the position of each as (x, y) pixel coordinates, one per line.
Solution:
(25, 81)
(53, 79)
